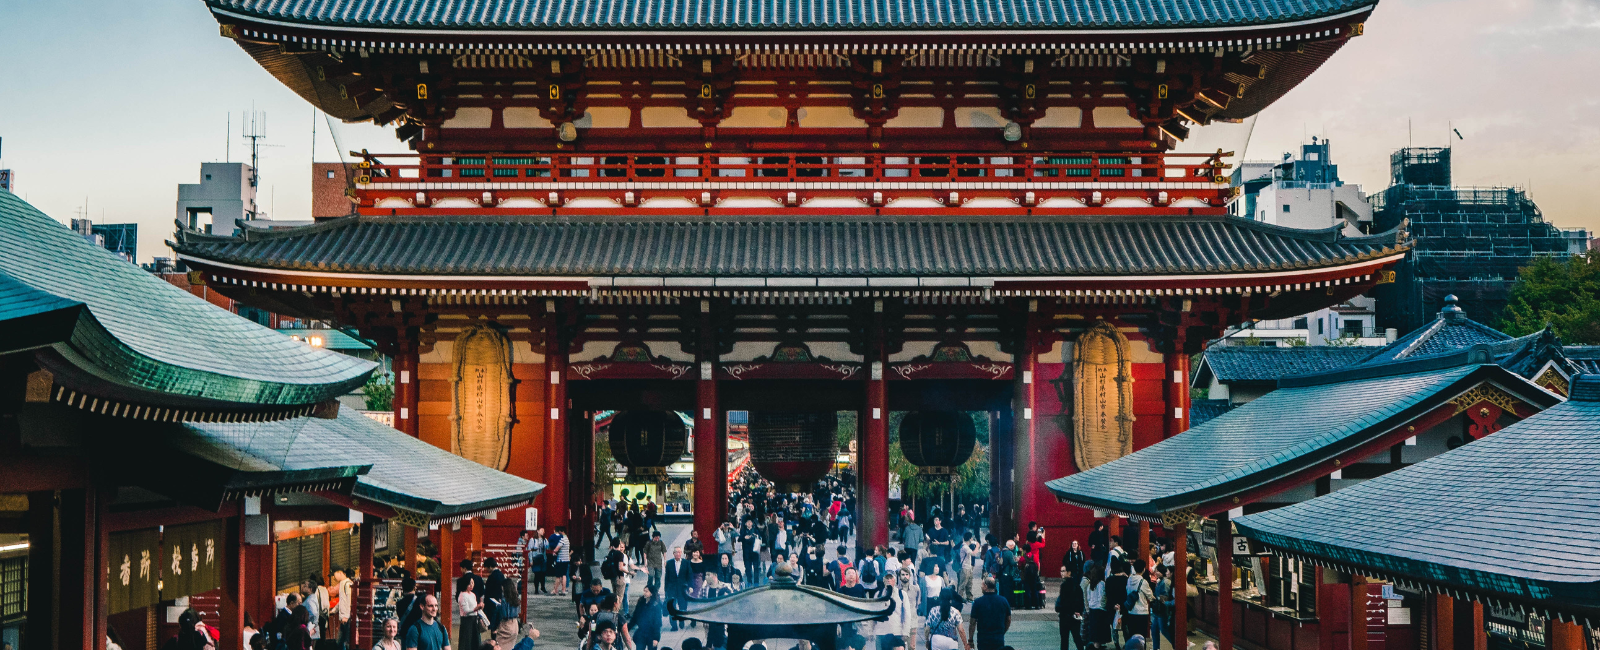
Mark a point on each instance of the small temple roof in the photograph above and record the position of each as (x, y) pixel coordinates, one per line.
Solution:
(801, 606)
(1585, 357)
(406, 474)
(803, 15)
(1451, 331)
(1305, 422)
(521, 246)
(129, 333)
(1263, 363)
(1508, 518)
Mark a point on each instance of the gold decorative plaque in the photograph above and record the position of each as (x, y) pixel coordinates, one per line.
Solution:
(1102, 409)
(482, 386)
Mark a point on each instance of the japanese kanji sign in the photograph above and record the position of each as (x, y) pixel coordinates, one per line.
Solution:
(191, 560)
(133, 569)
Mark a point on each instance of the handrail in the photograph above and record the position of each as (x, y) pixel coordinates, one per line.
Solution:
(383, 169)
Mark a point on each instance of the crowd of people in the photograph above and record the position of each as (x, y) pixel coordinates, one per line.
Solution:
(1111, 597)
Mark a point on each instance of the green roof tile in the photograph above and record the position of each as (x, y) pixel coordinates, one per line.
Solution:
(154, 336)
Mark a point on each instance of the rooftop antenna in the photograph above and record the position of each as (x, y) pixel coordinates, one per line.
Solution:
(254, 129)
(227, 140)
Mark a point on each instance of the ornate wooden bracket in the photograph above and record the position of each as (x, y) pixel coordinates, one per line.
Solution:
(875, 84)
(708, 84)
(1023, 88)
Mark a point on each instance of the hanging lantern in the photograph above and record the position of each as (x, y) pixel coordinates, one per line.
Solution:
(793, 450)
(937, 441)
(646, 442)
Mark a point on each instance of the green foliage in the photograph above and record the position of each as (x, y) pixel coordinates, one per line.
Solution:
(1343, 342)
(379, 392)
(605, 464)
(1298, 342)
(1563, 293)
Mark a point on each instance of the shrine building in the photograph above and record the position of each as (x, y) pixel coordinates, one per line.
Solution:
(793, 210)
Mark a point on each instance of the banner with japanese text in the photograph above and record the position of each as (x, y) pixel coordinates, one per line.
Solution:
(133, 570)
(191, 559)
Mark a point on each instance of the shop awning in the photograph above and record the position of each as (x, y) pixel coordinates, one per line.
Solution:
(1508, 519)
(1306, 428)
(420, 482)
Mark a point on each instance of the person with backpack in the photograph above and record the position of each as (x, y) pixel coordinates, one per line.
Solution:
(944, 623)
(871, 569)
(837, 567)
(1136, 606)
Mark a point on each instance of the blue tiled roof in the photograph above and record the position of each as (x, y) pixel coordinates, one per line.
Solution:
(1090, 245)
(1202, 411)
(406, 472)
(1511, 515)
(1231, 363)
(1275, 436)
(790, 15)
(153, 335)
(1586, 357)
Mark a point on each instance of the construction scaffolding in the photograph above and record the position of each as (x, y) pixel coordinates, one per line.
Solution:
(1470, 241)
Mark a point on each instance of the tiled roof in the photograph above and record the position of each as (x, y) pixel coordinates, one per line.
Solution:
(1586, 357)
(1450, 331)
(1202, 411)
(1231, 363)
(1278, 434)
(797, 15)
(406, 472)
(155, 336)
(520, 246)
(1511, 515)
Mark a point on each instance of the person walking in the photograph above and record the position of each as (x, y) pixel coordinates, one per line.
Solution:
(1069, 607)
(944, 623)
(469, 610)
(990, 620)
(893, 632)
(563, 557)
(538, 561)
(1116, 594)
(677, 576)
(750, 543)
(645, 624)
(1161, 607)
(1136, 606)
(1098, 621)
(654, 554)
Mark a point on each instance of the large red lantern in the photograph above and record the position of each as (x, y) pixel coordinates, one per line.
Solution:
(646, 442)
(794, 450)
(939, 440)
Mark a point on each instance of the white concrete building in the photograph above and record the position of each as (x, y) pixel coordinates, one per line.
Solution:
(226, 193)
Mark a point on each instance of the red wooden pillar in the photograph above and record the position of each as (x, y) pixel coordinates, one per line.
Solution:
(1443, 627)
(1180, 585)
(447, 575)
(873, 461)
(1177, 415)
(1358, 612)
(553, 509)
(406, 395)
(1566, 636)
(1144, 546)
(580, 496)
(364, 576)
(1225, 582)
(710, 456)
(233, 583)
(1024, 462)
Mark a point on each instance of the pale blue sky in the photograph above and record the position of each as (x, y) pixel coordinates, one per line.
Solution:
(120, 100)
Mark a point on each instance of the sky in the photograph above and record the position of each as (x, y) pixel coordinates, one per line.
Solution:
(113, 103)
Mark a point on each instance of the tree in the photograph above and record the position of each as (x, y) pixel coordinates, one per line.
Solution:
(1562, 293)
(379, 392)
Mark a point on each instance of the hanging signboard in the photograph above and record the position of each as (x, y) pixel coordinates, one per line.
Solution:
(132, 569)
(191, 561)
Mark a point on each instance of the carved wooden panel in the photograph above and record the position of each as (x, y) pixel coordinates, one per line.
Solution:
(1102, 408)
(482, 418)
